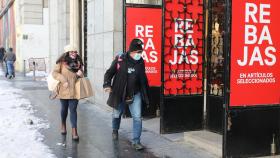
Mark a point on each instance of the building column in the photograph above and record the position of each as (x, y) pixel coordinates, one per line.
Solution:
(74, 24)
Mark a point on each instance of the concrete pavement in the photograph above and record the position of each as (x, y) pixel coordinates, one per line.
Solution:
(95, 133)
(94, 127)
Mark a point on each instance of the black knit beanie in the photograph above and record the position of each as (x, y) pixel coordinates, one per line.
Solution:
(135, 44)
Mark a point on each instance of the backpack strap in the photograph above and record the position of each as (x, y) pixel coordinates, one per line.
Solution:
(119, 60)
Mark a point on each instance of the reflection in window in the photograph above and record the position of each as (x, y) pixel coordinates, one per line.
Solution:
(153, 2)
(216, 71)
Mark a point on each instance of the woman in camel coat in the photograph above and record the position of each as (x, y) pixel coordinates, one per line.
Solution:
(67, 70)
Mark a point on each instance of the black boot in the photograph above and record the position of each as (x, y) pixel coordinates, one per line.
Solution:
(115, 135)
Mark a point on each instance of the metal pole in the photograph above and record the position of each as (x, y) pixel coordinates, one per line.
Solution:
(227, 72)
(208, 56)
(204, 65)
(34, 68)
(124, 26)
(24, 68)
(161, 103)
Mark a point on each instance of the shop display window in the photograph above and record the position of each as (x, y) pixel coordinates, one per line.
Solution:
(216, 53)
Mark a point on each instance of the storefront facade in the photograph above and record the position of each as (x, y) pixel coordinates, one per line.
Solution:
(192, 62)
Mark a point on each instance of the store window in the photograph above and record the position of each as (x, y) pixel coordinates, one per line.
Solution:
(216, 61)
(152, 2)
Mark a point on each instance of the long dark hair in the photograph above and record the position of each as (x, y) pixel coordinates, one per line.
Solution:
(66, 58)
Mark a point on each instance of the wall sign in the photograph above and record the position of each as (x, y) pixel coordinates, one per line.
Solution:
(255, 65)
(145, 24)
(183, 47)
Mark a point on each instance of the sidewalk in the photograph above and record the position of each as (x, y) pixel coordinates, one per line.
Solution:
(95, 130)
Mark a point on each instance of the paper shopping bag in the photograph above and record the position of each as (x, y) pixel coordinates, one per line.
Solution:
(83, 88)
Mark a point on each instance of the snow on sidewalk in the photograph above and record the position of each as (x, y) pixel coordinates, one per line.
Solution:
(37, 74)
(1, 71)
(19, 127)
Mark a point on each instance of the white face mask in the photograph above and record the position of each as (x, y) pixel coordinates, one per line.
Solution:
(137, 56)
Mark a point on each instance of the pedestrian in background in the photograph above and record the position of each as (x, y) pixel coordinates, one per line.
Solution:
(2, 53)
(129, 88)
(67, 70)
(10, 59)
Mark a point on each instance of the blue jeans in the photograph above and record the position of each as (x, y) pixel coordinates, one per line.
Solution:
(135, 109)
(72, 104)
(10, 67)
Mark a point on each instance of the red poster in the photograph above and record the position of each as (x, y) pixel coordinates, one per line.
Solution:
(183, 47)
(255, 69)
(145, 24)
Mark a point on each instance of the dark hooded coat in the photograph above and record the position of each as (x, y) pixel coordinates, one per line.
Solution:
(118, 72)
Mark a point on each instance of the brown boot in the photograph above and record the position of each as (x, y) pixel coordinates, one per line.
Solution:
(63, 128)
(75, 134)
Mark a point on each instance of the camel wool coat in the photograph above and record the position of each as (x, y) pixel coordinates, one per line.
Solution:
(63, 74)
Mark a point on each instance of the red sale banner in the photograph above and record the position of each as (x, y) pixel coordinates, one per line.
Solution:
(255, 41)
(183, 47)
(145, 24)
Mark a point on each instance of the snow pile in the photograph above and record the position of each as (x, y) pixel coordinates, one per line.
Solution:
(37, 74)
(19, 128)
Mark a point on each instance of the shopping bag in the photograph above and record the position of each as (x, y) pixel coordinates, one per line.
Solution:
(83, 88)
(52, 83)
